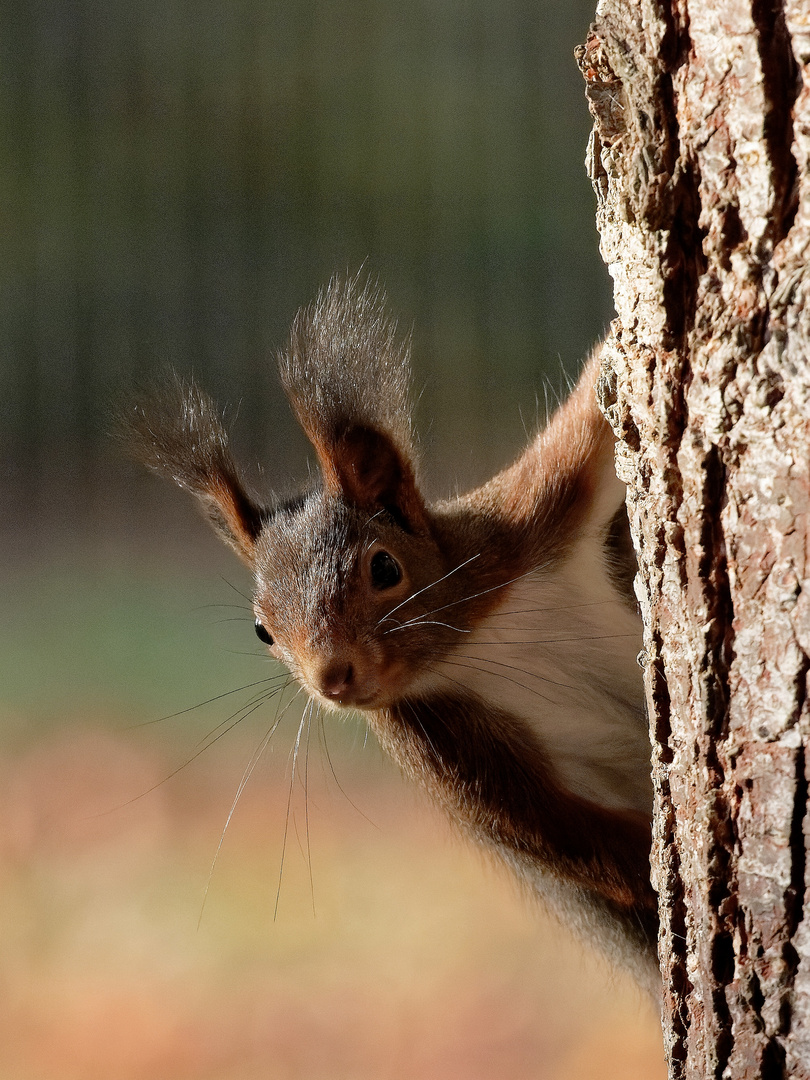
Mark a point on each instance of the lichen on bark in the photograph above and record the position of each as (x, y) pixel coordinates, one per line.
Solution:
(700, 160)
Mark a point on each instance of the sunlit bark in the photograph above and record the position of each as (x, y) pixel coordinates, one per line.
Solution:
(699, 158)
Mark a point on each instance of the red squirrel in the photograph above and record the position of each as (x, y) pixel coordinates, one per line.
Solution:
(489, 640)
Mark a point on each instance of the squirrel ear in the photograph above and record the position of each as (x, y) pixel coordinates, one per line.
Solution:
(175, 429)
(368, 470)
(346, 375)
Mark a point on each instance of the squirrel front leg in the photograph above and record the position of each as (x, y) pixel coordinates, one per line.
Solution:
(564, 484)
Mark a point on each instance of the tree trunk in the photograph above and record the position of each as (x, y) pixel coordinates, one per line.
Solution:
(699, 158)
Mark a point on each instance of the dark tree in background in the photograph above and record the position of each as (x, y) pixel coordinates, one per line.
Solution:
(699, 157)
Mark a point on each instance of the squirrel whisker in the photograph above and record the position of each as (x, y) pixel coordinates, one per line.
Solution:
(432, 585)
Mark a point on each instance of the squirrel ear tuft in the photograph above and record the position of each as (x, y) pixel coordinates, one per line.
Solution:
(346, 375)
(176, 430)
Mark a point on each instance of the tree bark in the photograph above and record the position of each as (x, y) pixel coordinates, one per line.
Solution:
(699, 157)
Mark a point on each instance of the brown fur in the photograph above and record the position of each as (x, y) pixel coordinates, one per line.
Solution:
(552, 519)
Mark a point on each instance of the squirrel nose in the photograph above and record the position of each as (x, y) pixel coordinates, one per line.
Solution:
(336, 679)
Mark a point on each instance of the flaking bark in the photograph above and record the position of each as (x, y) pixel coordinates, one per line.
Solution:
(699, 158)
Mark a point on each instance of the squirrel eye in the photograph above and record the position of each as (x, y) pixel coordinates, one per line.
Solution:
(385, 571)
(262, 634)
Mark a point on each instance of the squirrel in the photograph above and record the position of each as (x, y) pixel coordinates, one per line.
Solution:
(490, 639)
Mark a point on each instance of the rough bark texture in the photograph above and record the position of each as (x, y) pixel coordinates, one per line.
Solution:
(699, 157)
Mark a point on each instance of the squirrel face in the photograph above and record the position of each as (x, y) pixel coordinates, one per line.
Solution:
(345, 598)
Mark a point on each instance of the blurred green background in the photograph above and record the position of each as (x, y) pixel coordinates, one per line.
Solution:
(176, 180)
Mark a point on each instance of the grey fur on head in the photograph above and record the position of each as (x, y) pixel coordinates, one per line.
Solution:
(346, 360)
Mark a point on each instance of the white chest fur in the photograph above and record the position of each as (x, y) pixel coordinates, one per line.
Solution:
(559, 653)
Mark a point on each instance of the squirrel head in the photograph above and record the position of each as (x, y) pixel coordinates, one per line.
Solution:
(350, 586)
(343, 597)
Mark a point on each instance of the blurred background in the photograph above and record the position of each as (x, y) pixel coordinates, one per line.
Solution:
(176, 179)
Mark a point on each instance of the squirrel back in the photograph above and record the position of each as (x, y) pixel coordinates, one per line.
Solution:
(489, 639)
